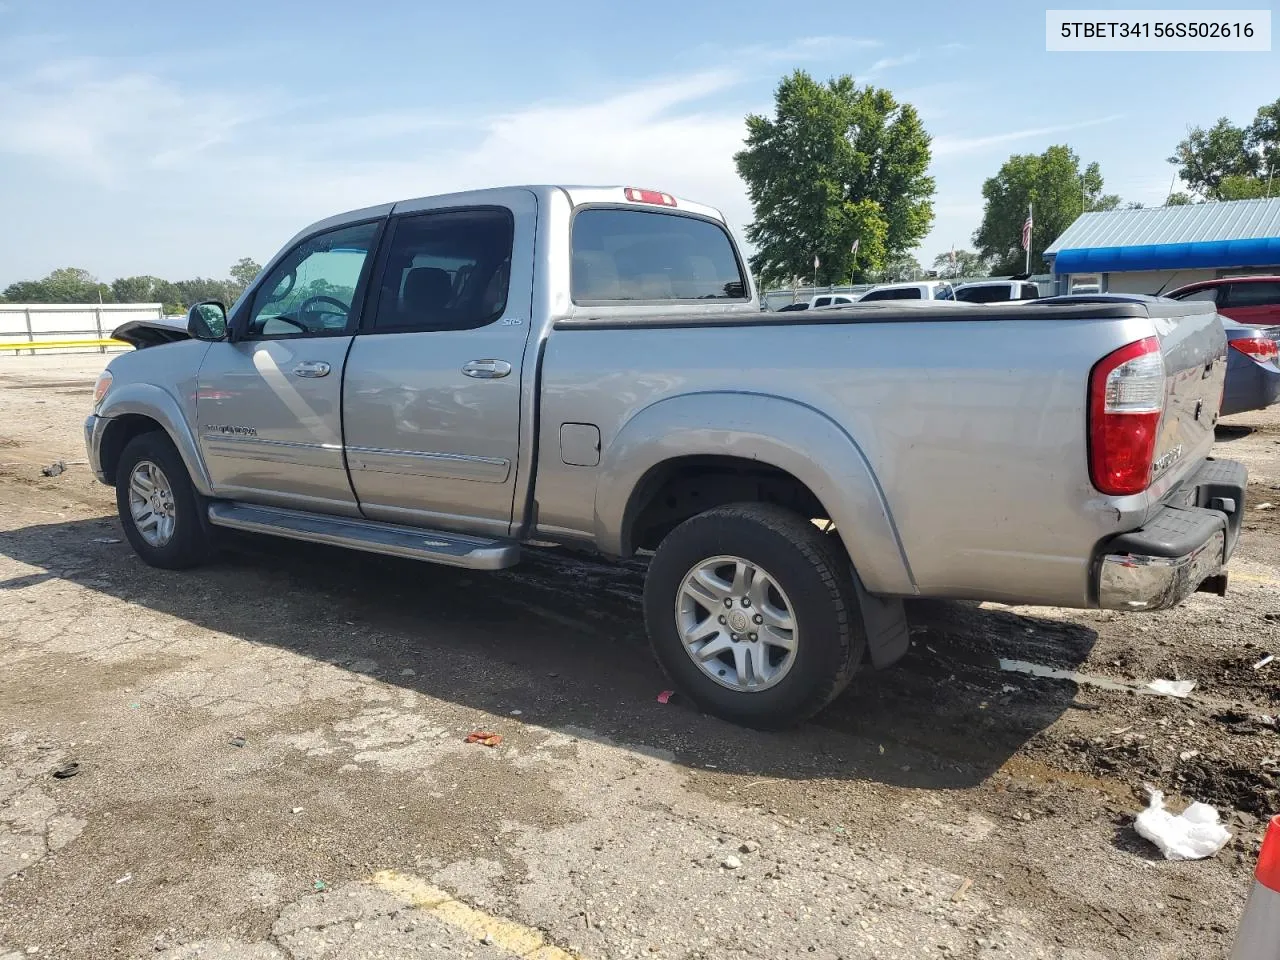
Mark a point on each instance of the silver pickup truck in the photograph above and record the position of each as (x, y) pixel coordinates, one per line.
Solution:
(451, 378)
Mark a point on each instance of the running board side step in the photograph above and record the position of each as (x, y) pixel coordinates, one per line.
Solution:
(434, 546)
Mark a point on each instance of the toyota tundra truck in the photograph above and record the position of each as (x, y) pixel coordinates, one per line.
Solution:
(449, 379)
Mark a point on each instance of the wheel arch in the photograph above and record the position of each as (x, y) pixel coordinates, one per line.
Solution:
(139, 408)
(791, 444)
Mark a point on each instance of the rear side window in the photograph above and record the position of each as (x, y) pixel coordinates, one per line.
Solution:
(995, 293)
(1209, 294)
(621, 255)
(1263, 293)
(822, 301)
(446, 271)
(902, 293)
(1030, 291)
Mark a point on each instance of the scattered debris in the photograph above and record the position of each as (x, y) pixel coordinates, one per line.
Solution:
(237, 742)
(1186, 755)
(1269, 658)
(484, 738)
(66, 771)
(408, 672)
(731, 863)
(105, 540)
(321, 885)
(59, 466)
(296, 810)
(1009, 688)
(963, 890)
(487, 940)
(749, 846)
(517, 713)
(125, 879)
(665, 696)
(1265, 506)
(1194, 834)
(1172, 688)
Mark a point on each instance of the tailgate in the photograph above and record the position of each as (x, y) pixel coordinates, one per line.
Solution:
(1194, 346)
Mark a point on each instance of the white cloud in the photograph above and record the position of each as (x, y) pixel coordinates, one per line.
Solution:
(888, 63)
(98, 124)
(945, 146)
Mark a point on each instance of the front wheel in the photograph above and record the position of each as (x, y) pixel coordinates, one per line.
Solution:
(159, 508)
(752, 612)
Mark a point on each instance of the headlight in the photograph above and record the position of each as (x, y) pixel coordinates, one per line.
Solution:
(101, 387)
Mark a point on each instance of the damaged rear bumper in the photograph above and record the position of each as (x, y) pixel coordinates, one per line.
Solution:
(1181, 549)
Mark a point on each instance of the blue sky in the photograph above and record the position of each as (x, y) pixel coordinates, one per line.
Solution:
(142, 137)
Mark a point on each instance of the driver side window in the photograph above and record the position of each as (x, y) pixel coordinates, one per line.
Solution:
(312, 291)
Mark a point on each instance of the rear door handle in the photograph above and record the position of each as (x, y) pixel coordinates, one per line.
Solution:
(311, 368)
(486, 369)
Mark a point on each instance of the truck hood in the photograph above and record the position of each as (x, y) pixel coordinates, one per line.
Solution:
(152, 332)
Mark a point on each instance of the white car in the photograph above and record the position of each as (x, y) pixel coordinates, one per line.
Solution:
(922, 290)
(996, 291)
(831, 300)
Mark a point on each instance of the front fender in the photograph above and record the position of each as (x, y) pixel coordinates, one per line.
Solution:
(149, 400)
(781, 433)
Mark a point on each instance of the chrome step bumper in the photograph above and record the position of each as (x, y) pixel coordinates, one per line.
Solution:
(1181, 549)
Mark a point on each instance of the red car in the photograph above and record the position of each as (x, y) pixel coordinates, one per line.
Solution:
(1252, 300)
(1250, 307)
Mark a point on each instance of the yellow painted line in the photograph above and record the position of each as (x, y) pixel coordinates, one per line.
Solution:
(62, 344)
(1252, 578)
(524, 942)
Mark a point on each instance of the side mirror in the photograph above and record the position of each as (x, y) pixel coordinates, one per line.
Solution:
(207, 321)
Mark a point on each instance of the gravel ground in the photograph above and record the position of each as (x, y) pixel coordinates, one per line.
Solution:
(272, 760)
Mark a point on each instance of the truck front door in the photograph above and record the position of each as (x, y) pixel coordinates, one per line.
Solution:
(431, 406)
(269, 405)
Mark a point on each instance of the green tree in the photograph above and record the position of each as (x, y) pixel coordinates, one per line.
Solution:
(967, 264)
(1054, 183)
(900, 266)
(64, 285)
(134, 289)
(243, 273)
(1207, 157)
(1179, 199)
(837, 163)
(1230, 162)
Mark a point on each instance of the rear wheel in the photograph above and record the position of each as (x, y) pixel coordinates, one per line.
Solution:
(158, 507)
(751, 611)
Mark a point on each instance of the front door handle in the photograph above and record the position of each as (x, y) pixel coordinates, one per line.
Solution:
(486, 369)
(311, 368)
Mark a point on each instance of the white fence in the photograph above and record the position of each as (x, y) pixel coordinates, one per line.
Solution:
(66, 325)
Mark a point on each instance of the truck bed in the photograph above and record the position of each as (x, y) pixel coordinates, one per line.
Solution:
(975, 432)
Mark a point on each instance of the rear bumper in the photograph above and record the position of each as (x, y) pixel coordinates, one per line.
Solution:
(1184, 545)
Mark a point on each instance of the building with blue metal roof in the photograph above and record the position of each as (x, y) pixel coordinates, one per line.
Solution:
(1155, 249)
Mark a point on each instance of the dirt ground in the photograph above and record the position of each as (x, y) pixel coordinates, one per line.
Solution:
(271, 757)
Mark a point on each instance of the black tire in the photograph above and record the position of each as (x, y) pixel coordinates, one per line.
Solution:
(190, 543)
(813, 571)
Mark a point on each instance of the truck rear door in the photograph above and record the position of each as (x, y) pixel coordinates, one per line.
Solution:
(431, 402)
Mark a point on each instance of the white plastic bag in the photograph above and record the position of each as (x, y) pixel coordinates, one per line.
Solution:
(1194, 834)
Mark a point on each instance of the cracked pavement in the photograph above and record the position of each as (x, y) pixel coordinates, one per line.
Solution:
(272, 762)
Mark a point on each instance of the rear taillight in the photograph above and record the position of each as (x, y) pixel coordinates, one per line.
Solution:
(636, 195)
(1126, 399)
(1261, 349)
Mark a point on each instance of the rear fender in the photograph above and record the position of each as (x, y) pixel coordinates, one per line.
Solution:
(780, 433)
(149, 400)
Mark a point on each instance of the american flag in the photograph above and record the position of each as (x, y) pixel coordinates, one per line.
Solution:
(815, 262)
(855, 248)
(1026, 232)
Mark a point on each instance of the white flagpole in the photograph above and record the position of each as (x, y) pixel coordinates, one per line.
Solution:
(1033, 227)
